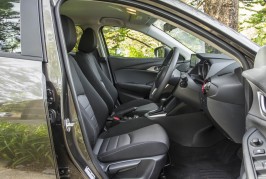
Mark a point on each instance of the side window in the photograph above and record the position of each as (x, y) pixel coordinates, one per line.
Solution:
(123, 42)
(10, 26)
(185, 38)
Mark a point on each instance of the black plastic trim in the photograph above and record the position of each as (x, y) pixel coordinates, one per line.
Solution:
(41, 21)
(30, 29)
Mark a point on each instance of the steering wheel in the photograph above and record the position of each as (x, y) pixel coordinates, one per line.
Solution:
(164, 74)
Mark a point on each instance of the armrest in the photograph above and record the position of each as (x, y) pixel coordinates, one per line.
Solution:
(122, 113)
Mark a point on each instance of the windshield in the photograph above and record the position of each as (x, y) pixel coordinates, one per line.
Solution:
(191, 42)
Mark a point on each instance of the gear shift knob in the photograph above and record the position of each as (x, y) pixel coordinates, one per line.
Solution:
(162, 102)
(160, 110)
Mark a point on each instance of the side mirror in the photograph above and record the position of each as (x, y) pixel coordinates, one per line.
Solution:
(161, 52)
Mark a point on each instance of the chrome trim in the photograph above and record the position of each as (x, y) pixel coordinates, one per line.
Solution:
(157, 115)
(54, 2)
(262, 103)
(155, 89)
(153, 69)
(68, 124)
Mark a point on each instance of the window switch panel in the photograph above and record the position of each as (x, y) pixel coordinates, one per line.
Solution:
(258, 151)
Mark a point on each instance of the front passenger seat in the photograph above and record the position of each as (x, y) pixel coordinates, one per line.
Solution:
(133, 149)
(89, 65)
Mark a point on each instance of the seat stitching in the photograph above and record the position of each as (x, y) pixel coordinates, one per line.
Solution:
(110, 144)
(105, 150)
(118, 137)
(92, 116)
(130, 138)
(134, 145)
(87, 105)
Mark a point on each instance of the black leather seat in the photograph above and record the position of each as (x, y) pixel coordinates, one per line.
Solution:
(89, 65)
(138, 139)
(122, 143)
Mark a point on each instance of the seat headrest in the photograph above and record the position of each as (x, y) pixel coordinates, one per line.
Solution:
(260, 59)
(88, 41)
(69, 32)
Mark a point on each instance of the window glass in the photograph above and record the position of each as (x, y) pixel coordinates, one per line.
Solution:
(125, 42)
(10, 26)
(190, 41)
(79, 33)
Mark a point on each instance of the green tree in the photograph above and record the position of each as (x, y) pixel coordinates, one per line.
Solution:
(9, 26)
(79, 32)
(129, 43)
(257, 20)
(113, 37)
(225, 11)
(255, 24)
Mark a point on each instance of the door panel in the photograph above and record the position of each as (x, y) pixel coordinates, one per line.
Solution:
(134, 63)
(133, 60)
(134, 76)
(254, 141)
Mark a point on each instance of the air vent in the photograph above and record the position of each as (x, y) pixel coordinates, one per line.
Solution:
(262, 103)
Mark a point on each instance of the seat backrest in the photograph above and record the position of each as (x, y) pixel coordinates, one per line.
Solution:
(93, 108)
(88, 63)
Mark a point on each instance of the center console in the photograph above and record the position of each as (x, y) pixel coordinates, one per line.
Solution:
(166, 105)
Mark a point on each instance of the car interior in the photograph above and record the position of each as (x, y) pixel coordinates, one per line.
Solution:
(177, 114)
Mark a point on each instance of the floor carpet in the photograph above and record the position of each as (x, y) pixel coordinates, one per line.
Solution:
(217, 162)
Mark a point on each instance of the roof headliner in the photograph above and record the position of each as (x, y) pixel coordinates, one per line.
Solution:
(92, 12)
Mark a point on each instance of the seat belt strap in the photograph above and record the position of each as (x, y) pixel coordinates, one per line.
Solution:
(103, 63)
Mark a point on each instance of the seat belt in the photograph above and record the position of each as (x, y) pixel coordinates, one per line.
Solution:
(102, 61)
(104, 64)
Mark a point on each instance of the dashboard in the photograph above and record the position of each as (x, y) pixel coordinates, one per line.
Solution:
(214, 84)
(208, 65)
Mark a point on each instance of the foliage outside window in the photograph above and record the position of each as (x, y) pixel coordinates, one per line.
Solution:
(245, 16)
(79, 33)
(10, 26)
(190, 41)
(123, 42)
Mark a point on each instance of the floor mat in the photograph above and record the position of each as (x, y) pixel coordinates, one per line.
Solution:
(217, 162)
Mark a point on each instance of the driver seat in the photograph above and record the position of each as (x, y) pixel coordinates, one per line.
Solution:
(87, 60)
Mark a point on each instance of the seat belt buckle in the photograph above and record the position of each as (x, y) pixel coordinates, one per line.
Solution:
(113, 118)
(116, 118)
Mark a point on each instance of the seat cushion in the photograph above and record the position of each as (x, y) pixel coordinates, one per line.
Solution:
(117, 144)
(143, 106)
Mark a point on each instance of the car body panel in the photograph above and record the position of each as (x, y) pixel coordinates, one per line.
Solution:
(24, 128)
(25, 139)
